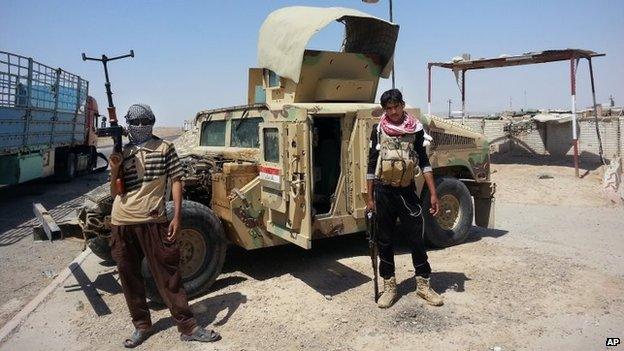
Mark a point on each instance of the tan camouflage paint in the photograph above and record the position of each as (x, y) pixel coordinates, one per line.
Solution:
(255, 215)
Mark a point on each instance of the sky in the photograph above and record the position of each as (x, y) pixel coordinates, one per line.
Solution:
(194, 55)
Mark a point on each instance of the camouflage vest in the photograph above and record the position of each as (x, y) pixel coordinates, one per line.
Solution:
(397, 163)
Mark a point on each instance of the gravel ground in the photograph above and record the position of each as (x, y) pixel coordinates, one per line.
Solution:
(549, 277)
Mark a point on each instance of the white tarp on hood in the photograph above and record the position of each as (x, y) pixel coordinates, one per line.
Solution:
(286, 32)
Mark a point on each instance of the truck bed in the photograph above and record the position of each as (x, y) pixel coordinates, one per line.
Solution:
(40, 107)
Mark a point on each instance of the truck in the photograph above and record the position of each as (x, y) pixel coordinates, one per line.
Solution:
(47, 122)
(289, 167)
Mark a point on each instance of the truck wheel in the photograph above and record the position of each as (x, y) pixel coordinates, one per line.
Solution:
(452, 225)
(67, 167)
(100, 248)
(202, 250)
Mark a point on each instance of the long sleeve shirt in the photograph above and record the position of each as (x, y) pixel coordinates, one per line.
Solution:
(373, 153)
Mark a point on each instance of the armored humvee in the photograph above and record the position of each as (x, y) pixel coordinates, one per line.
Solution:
(290, 166)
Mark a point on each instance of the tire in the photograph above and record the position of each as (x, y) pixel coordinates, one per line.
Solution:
(100, 248)
(202, 250)
(67, 167)
(452, 225)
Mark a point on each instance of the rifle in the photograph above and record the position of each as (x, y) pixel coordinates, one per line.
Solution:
(114, 130)
(371, 234)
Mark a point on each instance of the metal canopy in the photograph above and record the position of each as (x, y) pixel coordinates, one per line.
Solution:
(518, 60)
(460, 66)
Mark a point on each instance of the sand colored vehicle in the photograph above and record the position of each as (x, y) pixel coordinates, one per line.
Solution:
(289, 167)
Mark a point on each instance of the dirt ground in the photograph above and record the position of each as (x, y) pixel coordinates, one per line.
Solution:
(549, 277)
(521, 181)
(29, 266)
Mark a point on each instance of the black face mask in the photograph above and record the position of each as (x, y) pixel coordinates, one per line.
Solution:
(140, 133)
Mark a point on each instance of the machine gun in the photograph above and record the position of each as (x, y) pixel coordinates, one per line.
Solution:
(114, 130)
(371, 234)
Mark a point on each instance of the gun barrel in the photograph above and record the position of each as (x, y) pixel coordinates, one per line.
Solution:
(372, 244)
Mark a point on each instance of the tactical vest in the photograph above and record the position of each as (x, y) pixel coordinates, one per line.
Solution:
(397, 163)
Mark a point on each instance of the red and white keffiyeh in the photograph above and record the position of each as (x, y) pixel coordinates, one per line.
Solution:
(410, 125)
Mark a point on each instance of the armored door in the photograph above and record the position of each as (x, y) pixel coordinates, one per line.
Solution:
(285, 176)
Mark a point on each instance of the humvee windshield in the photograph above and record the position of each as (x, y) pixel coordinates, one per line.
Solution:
(212, 133)
(245, 132)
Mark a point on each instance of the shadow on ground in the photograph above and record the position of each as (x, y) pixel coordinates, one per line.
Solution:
(477, 233)
(207, 310)
(319, 268)
(104, 282)
(440, 282)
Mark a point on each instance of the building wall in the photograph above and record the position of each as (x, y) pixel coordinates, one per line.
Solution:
(555, 139)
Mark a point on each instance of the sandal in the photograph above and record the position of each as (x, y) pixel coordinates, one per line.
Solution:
(137, 338)
(202, 335)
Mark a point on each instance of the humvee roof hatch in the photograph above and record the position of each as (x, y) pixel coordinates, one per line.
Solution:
(285, 34)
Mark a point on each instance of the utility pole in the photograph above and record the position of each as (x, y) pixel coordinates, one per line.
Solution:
(391, 20)
(525, 100)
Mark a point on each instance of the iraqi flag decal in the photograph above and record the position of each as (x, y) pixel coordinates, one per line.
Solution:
(269, 173)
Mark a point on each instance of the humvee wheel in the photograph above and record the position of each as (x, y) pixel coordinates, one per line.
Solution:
(449, 212)
(202, 250)
(193, 250)
(452, 225)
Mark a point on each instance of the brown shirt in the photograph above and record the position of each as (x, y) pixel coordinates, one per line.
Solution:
(148, 170)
